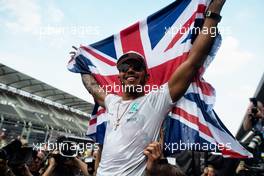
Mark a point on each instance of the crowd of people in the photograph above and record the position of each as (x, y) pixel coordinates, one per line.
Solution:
(18, 158)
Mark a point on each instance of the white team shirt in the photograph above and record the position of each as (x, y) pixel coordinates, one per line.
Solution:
(123, 147)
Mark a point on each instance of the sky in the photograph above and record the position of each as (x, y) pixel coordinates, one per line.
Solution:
(36, 38)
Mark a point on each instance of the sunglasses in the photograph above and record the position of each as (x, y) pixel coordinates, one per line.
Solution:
(136, 66)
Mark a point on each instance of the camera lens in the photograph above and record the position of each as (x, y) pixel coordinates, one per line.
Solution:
(256, 141)
(254, 110)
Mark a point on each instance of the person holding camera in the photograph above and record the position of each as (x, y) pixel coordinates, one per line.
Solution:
(254, 115)
(37, 163)
(253, 124)
(15, 157)
(63, 166)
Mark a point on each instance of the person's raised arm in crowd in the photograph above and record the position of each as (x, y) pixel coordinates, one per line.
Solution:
(74, 163)
(51, 167)
(80, 165)
(153, 153)
(157, 164)
(183, 76)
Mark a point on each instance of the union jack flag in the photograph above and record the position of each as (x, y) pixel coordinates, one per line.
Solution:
(164, 39)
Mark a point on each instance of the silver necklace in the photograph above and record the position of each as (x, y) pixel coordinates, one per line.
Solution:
(117, 123)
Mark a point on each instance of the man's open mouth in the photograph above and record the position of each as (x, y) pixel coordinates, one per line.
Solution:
(131, 78)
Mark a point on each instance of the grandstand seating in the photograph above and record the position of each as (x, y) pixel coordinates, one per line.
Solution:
(31, 116)
(21, 114)
(11, 126)
(7, 109)
(37, 136)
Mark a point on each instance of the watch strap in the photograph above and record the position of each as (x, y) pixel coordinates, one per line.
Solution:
(212, 15)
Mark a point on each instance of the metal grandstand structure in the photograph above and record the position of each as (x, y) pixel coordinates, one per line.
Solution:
(34, 109)
(23, 84)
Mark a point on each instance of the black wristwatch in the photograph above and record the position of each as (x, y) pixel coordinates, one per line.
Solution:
(215, 16)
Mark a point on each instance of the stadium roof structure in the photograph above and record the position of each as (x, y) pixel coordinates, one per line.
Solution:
(17, 82)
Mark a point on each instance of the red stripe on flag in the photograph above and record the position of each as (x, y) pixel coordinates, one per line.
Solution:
(101, 111)
(181, 32)
(206, 88)
(201, 8)
(185, 28)
(92, 121)
(233, 154)
(192, 119)
(98, 56)
(131, 40)
(166, 69)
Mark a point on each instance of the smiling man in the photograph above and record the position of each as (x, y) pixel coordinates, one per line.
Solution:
(132, 74)
(135, 118)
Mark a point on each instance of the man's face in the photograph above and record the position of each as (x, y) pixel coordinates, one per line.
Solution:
(211, 171)
(132, 73)
(36, 163)
(260, 110)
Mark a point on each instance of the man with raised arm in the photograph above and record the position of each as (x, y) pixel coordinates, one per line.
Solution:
(135, 118)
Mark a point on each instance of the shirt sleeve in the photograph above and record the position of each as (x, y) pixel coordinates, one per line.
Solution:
(110, 100)
(160, 99)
